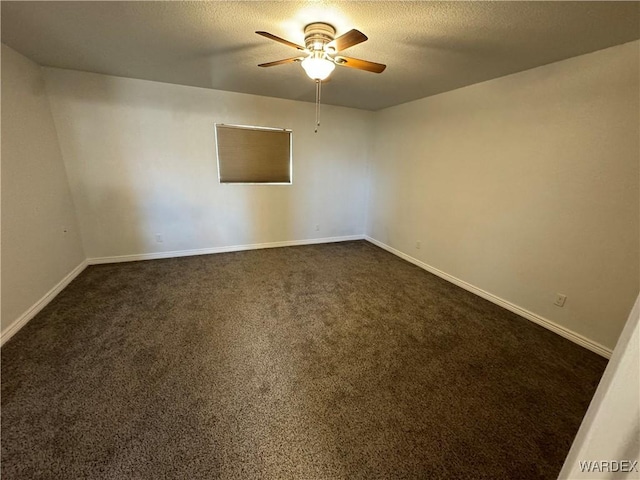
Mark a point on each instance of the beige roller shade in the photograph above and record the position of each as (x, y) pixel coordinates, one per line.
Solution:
(253, 155)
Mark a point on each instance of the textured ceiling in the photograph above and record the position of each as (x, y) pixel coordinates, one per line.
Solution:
(429, 47)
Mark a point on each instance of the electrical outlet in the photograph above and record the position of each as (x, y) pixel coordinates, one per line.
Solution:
(560, 299)
(418, 245)
(317, 228)
(159, 237)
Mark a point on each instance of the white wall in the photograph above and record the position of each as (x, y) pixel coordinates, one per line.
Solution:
(36, 202)
(523, 186)
(141, 161)
(611, 427)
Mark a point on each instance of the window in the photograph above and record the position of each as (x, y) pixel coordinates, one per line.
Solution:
(253, 154)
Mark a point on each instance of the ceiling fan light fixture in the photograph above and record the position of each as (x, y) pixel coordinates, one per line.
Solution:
(321, 48)
(317, 68)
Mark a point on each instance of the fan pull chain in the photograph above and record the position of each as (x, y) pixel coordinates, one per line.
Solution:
(318, 89)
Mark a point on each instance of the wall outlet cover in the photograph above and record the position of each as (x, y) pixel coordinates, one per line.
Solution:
(560, 299)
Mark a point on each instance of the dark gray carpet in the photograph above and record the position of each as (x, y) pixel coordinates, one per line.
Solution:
(335, 361)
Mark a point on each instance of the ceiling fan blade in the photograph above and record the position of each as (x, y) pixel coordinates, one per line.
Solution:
(349, 39)
(360, 64)
(281, 62)
(281, 40)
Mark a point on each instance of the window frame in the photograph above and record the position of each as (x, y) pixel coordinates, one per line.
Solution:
(259, 128)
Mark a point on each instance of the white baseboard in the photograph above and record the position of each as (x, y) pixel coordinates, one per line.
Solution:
(545, 322)
(12, 329)
(51, 294)
(207, 251)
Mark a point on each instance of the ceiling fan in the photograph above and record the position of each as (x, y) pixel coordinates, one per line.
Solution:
(321, 54)
(321, 51)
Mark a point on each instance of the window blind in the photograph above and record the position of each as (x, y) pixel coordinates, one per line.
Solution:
(253, 154)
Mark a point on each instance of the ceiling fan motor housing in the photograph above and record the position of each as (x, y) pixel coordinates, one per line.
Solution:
(317, 35)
